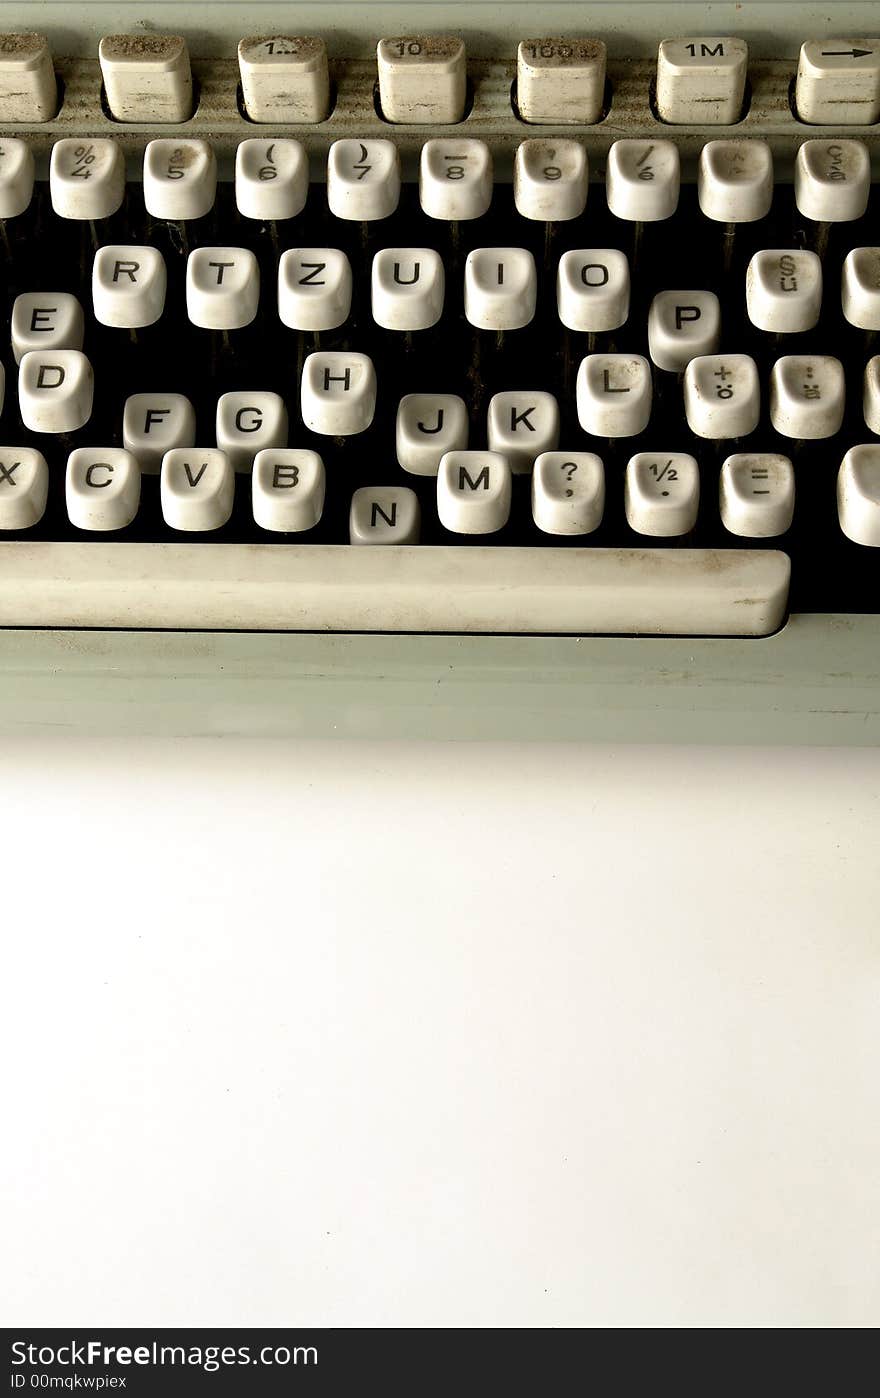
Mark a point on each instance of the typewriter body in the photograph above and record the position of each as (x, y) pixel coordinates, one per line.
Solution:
(455, 370)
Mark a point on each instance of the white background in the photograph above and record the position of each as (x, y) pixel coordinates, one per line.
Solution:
(348, 1034)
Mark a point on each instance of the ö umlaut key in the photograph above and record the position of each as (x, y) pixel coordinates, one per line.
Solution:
(469, 333)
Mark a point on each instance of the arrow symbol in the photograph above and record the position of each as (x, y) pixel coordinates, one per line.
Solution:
(847, 53)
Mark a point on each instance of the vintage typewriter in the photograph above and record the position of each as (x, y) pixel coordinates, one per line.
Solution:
(441, 369)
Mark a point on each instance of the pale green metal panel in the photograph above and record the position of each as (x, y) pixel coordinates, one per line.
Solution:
(774, 28)
(817, 681)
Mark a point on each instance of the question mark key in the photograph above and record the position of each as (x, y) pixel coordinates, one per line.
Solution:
(568, 492)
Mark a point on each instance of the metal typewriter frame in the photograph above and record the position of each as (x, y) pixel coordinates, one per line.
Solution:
(816, 681)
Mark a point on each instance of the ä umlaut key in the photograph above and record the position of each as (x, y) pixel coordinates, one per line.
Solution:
(128, 286)
(102, 488)
(86, 178)
(593, 289)
(45, 320)
(614, 394)
(662, 494)
(154, 424)
(722, 396)
(807, 396)
(568, 492)
(287, 490)
(55, 390)
(314, 288)
(247, 422)
(474, 492)
(428, 426)
(338, 393)
(784, 290)
(407, 288)
(681, 326)
(521, 425)
(550, 180)
(222, 288)
(363, 180)
(756, 495)
(388, 514)
(500, 288)
(197, 489)
(24, 487)
(271, 178)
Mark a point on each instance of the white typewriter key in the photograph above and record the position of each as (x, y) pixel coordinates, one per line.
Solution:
(147, 77)
(871, 395)
(363, 180)
(16, 177)
(428, 426)
(55, 390)
(832, 180)
(455, 179)
(156, 423)
(838, 82)
(222, 288)
(473, 492)
(681, 326)
(248, 422)
(521, 425)
(338, 393)
(86, 178)
(24, 487)
(422, 78)
(701, 81)
(756, 495)
(592, 289)
(314, 288)
(196, 488)
(500, 288)
(28, 90)
(722, 396)
(271, 178)
(45, 320)
(384, 515)
(287, 493)
(180, 179)
(858, 495)
(408, 286)
(735, 181)
(784, 290)
(860, 288)
(642, 180)
(128, 286)
(614, 394)
(102, 488)
(662, 493)
(550, 180)
(561, 81)
(284, 78)
(568, 492)
(807, 396)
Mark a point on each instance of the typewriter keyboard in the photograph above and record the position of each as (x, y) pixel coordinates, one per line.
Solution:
(363, 396)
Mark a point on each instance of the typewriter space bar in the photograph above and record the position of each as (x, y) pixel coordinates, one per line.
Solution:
(317, 587)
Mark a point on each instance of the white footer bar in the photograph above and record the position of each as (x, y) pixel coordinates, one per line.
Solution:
(317, 587)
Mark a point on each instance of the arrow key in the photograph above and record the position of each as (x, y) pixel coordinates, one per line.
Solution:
(838, 82)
